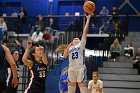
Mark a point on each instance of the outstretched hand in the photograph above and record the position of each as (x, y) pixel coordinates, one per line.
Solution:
(29, 44)
(71, 44)
(88, 16)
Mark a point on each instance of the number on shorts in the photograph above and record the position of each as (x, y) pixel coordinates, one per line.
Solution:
(75, 55)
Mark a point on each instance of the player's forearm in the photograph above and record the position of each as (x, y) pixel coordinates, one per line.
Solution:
(86, 28)
(25, 56)
(66, 52)
(14, 70)
(44, 59)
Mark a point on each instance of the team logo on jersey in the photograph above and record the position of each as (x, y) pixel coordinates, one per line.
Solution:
(41, 68)
(74, 49)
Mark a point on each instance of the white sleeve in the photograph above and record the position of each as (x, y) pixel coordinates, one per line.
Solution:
(41, 36)
(33, 36)
(90, 84)
(5, 26)
(101, 84)
(125, 48)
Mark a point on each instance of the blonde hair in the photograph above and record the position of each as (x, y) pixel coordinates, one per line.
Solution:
(1, 20)
(61, 48)
(116, 44)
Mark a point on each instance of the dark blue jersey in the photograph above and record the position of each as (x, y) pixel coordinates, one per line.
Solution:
(38, 76)
(3, 70)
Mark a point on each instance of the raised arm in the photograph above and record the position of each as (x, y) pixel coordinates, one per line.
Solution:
(66, 51)
(85, 30)
(26, 53)
(12, 63)
(44, 58)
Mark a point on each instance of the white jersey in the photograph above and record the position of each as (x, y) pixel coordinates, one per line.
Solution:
(94, 87)
(76, 54)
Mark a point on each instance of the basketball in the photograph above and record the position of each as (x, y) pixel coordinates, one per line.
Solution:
(89, 7)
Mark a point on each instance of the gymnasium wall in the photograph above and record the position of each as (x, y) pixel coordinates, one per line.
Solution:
(44, 7)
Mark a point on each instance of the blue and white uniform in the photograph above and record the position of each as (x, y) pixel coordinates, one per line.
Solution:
(77, 68)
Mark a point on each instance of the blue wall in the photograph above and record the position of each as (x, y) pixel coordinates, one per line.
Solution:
(36, 7)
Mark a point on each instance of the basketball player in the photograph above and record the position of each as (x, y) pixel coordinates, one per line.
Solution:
(37, 65)
(77, 69)
(10, 88)
(5, 54)
(95, 85)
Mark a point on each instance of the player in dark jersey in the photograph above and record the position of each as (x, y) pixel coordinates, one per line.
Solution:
(10, 88)
(5, 54)
(37, 65)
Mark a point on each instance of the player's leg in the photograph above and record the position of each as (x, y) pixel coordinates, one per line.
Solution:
(71, 87)
(72, 80)
(65, 92)
(82, 80)
(83, 87)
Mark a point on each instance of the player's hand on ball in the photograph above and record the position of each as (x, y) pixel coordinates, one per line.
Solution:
(88, 16)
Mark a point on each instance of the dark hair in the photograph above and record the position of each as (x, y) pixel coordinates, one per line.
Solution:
(32, 50)
(95, 72)
(130, 44)
(80, 37)
(12, 52)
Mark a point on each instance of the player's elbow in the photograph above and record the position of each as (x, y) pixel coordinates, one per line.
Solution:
(46, 62)
(24, 60)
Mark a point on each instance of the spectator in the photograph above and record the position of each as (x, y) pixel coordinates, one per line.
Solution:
(46, 35)
(20, 49)
(3, 25)
(104, 11)
(115, 19)
(115, 49)
(52, 24)
(40, 22)
(129, 50)
(136, 61)
(37, 35)
(64, 82)
(21, 16)
(95, 85)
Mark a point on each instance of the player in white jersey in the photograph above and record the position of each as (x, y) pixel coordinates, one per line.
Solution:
(77, 69)
(95, 85)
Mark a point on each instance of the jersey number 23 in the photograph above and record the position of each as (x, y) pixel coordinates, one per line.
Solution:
(75, 55)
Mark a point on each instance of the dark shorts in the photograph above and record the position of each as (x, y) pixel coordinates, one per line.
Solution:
(36, 87)
(2, 86)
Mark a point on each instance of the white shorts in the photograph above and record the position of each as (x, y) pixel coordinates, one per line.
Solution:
(77, 74)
